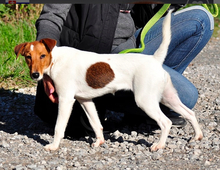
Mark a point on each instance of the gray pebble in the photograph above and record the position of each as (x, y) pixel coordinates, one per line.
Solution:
(76, 164)
(4, 144)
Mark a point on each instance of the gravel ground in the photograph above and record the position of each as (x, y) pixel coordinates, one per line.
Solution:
(23, 135)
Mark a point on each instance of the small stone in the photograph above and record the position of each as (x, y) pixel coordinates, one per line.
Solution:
(32, 166)
(76, 164)
(116, 134)
(156, 156)
(104, 145)
(197, 152)
(20, 167)
(60, 167)
(5, 144)
(43, 162)
(160, 151)
(134, 134)
(98, 165)
(171, 146)
(207, 163)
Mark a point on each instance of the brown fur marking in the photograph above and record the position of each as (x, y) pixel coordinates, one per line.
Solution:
(99, 75)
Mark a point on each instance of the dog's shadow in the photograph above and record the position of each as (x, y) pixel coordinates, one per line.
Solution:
(121, 128)
(17, 116)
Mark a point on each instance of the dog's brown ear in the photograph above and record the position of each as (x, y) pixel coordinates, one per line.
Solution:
(49, 43)
(19, 49)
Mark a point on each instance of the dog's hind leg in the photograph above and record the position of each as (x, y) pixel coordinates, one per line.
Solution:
(170, 99)
(150, 105)
(90, 110)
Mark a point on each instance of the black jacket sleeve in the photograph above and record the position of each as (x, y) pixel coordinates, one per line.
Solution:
(51, 20)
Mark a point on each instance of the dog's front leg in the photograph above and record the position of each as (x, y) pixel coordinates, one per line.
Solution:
(64, 111)
(90, 110)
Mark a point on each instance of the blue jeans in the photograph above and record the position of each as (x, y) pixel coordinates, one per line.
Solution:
(191, 29)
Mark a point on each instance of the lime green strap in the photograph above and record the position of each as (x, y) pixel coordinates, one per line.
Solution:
(146, 28)
(215, 7)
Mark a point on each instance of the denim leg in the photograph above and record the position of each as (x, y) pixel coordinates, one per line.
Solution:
(191, 29)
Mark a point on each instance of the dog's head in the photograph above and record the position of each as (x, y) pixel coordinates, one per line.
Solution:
(37, 55)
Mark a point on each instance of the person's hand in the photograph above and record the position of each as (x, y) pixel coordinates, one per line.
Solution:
(50, 89)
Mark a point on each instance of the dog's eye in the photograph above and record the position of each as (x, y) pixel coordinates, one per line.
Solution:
(42, 56)
(28, 57)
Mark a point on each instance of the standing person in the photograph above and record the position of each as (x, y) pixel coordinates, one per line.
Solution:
(111, 28)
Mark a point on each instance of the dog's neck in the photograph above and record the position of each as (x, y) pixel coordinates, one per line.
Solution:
(48, 69)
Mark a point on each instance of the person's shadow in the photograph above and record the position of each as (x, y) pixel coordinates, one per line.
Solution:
(17, 116)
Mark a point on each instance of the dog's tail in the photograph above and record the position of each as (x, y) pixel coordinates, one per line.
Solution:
(161, 52)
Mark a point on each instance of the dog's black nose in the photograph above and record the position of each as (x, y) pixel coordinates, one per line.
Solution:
(35, 75)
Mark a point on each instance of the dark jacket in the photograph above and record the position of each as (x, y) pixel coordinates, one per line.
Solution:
(89, 27)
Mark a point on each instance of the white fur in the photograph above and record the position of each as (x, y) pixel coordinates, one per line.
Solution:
(143, 74)
(32, 47)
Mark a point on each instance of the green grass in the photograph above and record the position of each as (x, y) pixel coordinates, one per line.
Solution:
(12, 35)
(17, 25)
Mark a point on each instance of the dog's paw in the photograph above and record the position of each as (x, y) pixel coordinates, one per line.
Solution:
(98, 142)
(51, 147)
(196, 138)
(156, 146)
(199, 136)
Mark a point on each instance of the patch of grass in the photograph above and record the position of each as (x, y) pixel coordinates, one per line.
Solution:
(17, 25)
(12, 35)
(10, 68)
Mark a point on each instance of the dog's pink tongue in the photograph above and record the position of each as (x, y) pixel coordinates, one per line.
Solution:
(51, 91)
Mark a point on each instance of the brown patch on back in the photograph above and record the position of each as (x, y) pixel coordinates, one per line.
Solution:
(99, 75)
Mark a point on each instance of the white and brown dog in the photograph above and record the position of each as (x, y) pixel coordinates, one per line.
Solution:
(82, 76)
